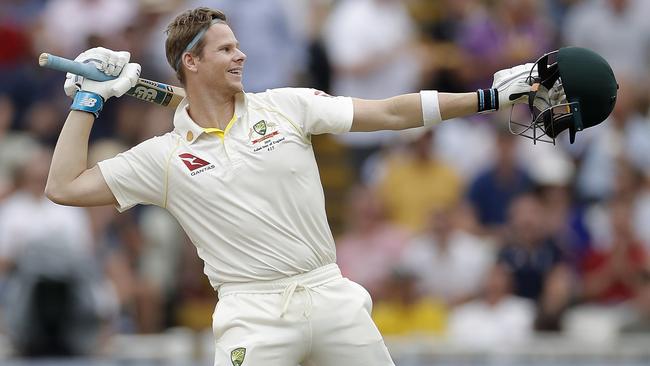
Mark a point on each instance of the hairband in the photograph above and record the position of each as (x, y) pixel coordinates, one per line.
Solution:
(196, 40)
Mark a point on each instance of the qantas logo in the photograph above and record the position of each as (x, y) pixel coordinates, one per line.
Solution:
(193, 163)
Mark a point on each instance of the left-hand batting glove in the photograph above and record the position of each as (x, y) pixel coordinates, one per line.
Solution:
(514, 84)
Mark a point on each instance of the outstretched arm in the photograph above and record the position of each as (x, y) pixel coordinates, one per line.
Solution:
(429, 107)
(405, 111)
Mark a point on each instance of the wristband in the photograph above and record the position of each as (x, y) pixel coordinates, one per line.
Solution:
(430, 107)
(86, 101)
(488, 100)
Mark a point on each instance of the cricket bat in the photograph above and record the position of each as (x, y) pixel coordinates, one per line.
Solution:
(146, 90)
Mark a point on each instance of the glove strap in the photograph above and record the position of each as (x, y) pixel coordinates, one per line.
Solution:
(86, 101)
(488, 100)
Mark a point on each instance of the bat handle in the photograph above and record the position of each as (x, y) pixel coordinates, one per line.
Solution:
(87, 70)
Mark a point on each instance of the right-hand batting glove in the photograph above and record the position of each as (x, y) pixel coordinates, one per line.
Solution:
(87, 93)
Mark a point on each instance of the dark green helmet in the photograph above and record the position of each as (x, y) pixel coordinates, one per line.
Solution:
(580, 92)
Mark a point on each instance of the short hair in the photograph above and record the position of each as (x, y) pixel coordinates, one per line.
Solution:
(182, 30)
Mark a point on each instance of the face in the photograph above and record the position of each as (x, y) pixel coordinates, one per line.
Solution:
(221, 64)
(364, 207)
(498, 281)
(506, 146)
(526, 217)
(35, 169)
(442, 223)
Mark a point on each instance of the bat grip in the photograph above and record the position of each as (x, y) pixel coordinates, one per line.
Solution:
(87, 70)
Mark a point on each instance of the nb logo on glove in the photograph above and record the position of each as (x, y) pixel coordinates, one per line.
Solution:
(88, 102)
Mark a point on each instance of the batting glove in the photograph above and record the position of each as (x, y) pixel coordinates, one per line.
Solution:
(546, 98)
(514, 84)
(110, 62)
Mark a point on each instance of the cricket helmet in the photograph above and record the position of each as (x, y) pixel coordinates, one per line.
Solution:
(571, 88)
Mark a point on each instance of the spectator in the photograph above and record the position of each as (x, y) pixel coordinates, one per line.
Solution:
(525, 30)
(528, 252)
(28, 205)
(639, 321)
(57, 299)
(91, 18)
(492, 192)
(553, 174)
(140, 253)
(319, 70)
(14, 146)
(369, 43)
(131, 117)
(195, 300)
(120, 241)
(371, 246)
(624, 136)
(616, 29)
(450, 263)
(18, 20)
(20, 13)
(416, 182)
(405, 312)
(370, 46)
(497, 319)
(42, 122)
(468, 144)
(512, 31)
(441, 22)
(642, 212)
(611, 269)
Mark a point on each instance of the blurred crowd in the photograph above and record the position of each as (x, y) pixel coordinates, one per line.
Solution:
(466, 231)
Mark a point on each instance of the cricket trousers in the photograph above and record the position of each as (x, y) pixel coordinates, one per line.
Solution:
(318, 318)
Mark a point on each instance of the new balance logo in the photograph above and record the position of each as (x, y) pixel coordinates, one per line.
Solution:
(88, 102)
(192, 162)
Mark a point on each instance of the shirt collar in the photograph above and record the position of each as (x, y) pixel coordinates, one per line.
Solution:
(189, 130)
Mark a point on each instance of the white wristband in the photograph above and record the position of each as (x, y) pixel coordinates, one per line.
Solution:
(430, 107)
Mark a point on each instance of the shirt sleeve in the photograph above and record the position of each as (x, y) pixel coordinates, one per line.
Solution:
(314, 111)
(137, 176)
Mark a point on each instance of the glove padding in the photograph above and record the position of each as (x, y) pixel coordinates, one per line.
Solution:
(111, 63)
(513, 84)
(546, 98)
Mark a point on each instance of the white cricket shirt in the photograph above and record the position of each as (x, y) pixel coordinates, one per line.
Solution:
(249, 197)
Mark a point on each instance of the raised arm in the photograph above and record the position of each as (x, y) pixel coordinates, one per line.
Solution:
(430, 107)
(70, 182)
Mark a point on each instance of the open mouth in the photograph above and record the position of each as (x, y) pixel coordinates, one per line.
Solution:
(237, 71)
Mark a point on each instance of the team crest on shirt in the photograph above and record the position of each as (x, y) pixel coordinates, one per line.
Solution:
(237, 356)
(260, 127)
(264, 135)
